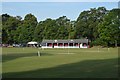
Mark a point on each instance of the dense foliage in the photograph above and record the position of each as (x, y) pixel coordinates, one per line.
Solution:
(100, 25)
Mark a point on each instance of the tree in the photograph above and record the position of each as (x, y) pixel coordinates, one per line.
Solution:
(5, 18)
(63, 24)
(109, 29)
(53, 29)
(9, 27)
(45, 30)
(4, 36)
(86, 24)
(71, 30)
(27, 28)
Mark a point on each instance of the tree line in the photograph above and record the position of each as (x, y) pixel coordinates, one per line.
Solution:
(99, 25)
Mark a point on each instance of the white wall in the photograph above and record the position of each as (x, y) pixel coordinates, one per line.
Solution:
(60, 47)
(81, 46)
(46, 46)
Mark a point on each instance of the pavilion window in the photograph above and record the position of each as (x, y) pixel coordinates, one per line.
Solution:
(76, 44)
(55, 44)
(60, 44)
(49, 44)
(65, 44)
(71, 44)
(84, 44)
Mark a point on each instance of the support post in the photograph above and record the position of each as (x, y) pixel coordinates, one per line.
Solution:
(46, 44)
(68, 48)
(108, 49)
(98, 49)
(39, 54)
(73, 45)
(115, 43)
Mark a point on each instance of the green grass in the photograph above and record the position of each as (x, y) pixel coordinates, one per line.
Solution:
(53, 63)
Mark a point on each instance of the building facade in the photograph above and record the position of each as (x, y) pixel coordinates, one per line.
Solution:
(71, 43)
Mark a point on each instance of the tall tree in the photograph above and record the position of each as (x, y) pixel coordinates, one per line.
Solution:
(27, 28)
(9, 27)
(109, 29)
(45, 30)
(86, 24)
(64, 26)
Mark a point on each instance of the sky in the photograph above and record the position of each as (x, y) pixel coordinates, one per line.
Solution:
(59, 0)
(54, 10)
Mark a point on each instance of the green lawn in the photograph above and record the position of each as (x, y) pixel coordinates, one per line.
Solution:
(60, 63)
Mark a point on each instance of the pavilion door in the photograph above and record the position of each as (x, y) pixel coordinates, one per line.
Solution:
(54, 44)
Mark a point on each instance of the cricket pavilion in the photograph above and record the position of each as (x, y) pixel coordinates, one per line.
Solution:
(70, 43)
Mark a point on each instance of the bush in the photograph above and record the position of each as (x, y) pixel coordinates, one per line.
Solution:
(98, 42)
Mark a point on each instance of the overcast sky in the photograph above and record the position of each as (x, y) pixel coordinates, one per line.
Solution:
(43, 10)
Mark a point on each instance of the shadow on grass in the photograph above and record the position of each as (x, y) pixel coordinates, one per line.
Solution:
(9, 57)
(107, 68)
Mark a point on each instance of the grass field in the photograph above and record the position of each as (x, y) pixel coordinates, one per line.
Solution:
(60, 63)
